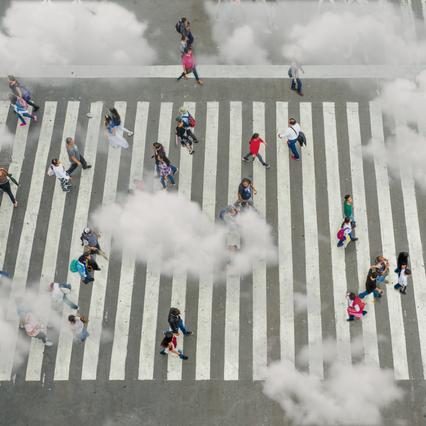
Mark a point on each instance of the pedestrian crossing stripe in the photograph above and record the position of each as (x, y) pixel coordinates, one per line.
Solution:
(232, 369)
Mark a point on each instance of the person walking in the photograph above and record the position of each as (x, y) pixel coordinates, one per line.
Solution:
(176, 322)
(57, 169)
(381, 267)
(166, 173)
(20, 91)
(90, 241)
(255, 143)
(77, 325)
(401, 285)
(245, 194)
(115, 122)
(20, 108)
(75, 157)
(371, 286)
(228, 214)
(355, 307)
(34, 328)
(5, 185)
(189, 122)
(183, 27)
(188, 63)
(86, 265)
(294, 74)
(345, 232)
(402, 262)
(348, 209)
(291, 136)
(60, 293)
(182, 137)
(113, 133)
(168, 345)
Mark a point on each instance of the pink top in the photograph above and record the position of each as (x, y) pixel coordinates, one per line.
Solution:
(188, 60)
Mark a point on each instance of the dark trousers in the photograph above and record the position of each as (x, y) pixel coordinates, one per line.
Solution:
(193, 70)
(296, 85)
(5, 187)
(75, 165)
(32, 103)
(247, 157)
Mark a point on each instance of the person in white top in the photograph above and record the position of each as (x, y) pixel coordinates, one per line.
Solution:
(401, 285)
(291, 135)
(296, 82)
(77, 327)
(59, 295)
(57, 169)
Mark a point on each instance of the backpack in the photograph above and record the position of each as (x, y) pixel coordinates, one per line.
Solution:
(73, 265)
(191, 121)
(341, 234)
(290, 74)
(301, 139)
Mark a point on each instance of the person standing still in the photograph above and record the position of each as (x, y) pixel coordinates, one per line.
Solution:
(5, 186)
(291, 135)
(255, 142)
(74, 156)
(296, 82)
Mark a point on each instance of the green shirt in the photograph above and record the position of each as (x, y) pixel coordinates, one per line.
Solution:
(347, 209)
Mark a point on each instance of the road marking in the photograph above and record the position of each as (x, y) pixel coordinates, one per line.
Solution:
(27, 233)
(396, 321)
(313, 292)
(335, 219)
(285, 253)
(174, 365)
(205, 297)
(127, 276)
(260, 327)
(65, 343)
(369, 330)
(232, 304)
(152, 283)
(35, 357)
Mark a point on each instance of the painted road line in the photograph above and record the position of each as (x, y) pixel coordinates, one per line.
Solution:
(35, 357)
(232, 303)
(285, 251)
(396, 321)
(313, 292)
(260, 327)
(122, 320)
(205, 295)
(369, 329)
(174, 365)
(148, 345)
(97, 301)
(65, 343)
(335, 219)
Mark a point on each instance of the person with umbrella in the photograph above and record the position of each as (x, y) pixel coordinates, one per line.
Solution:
(5, 185)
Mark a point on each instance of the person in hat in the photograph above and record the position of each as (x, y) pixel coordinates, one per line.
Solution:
(90, 241)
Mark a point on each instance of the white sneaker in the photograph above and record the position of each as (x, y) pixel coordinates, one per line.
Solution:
(130, 133)
(48, 343)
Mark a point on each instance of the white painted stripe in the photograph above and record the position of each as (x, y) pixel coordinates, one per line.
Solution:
(65, 343)
(27, 233)
(260, 328)
(124, 304)
(232, 307)
(313, 292)
(396, 322)
(205, 296)
(174, 366)
(97, 301)
(35, 358)
(152, 283)
(335, 219)
(285, 251)
(369, 330)
(332, 71)
(424, 11)
(409, 23)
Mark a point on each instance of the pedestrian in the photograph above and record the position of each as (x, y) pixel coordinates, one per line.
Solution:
(381, 267)
(77, 325)
(74, 156)
(182, 137)
(183, 27)
(168, 345)
(113, 133)
(246, 191)
(5, 185)
(401, 285)
(371, 286)
(296, 82)
(402, 262)
(86, 266)
(189, 122)
(255, 142)
(5, 274)
(355, 307)
(188, 63)
(166, 173)
(176, 322)
(20, 91)
(57, 169)
(90, 240)
(291, 136)
(348, 209)
(115, 122)
(34, 328)
(345, 232)
(228, 214)
(20, 108)
(60, 293)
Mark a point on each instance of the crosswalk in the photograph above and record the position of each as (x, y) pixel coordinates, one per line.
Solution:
(125, 305)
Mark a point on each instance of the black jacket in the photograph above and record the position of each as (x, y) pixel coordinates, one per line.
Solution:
(173, 322)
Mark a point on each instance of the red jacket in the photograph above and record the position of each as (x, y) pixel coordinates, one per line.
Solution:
(255, 145)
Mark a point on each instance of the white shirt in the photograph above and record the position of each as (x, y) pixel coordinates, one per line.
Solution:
(57, 293)
(58, 171)
(295, 67)
(77, 327)
(290, 134)
(402, 279)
